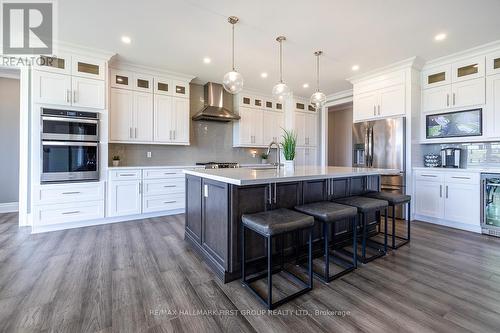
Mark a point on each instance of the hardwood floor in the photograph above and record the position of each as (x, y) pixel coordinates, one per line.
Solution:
(142, 277)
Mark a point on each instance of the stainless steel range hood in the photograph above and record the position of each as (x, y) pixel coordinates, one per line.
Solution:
(214, 109)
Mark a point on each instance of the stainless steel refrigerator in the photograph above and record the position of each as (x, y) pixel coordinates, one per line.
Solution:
(381, 144)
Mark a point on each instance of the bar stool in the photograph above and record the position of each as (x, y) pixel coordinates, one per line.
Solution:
(366, 206)
(328, 213)
(270, 225)
(395, 199)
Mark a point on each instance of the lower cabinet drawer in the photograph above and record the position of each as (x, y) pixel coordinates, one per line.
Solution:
(159, 187)
(68, 212)
(430, 176)
(60, 193)
(163, 202)
(463, 178)
(162, 173)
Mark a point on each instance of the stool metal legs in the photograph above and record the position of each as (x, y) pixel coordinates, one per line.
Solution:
(268, 300)
(408, 223)
(365, 240)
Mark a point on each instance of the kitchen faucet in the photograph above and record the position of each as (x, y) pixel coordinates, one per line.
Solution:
(278, 153)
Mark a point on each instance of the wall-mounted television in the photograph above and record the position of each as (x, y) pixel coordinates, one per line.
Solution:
(455, 124)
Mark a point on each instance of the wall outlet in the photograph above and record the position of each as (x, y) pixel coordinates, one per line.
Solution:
(148, 154)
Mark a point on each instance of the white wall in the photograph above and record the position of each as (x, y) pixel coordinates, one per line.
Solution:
(9, 140)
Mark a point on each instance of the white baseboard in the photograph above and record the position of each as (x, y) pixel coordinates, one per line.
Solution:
(9, 207)
(451, 224)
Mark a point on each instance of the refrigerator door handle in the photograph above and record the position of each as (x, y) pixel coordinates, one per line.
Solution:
(367, 148)
(370, 146)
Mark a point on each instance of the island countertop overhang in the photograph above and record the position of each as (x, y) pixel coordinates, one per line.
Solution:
(255, 176)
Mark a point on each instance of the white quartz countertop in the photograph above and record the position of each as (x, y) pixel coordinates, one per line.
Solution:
(251, 176)
(180, 166)
(475, 170)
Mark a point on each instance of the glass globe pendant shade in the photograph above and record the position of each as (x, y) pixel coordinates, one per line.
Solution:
(318, 99)
(281, 90)
(233, 82)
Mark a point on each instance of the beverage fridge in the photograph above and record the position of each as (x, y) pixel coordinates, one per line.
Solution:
(382, 144)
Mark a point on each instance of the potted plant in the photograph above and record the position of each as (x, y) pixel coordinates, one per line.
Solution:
(116, 160)
(289, 144)
(264, 158)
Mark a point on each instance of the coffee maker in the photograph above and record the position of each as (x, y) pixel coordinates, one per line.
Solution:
(450, 157)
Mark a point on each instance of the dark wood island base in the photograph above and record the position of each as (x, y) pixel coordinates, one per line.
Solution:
(214, 210)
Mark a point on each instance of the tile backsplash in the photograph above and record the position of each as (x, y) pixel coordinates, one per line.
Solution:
(480, 154)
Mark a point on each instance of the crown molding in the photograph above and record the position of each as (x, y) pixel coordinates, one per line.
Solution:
(62, 46)
(474, 51)
(413, 62)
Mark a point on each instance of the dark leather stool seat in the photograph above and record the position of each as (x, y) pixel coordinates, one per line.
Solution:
(395, 199)
(365, 206)
(392, 198)
(328, 213)
(275, 222)
(271, 225)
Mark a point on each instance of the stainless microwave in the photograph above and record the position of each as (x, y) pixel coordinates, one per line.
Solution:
(66, 125)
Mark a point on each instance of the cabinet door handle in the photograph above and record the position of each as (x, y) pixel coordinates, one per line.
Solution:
(130, 134)
(457, 177)
(447, 99)
(68, 96)
(434, 176)
(174, 134)
(169, 173)
(275, 199)
(71, 213)
(440, 191)
(135, 132)
(70, 192)
(269, 195)
(374, 110)
(454, 99)
(170, 186)
(140, 188)
(205, 191)
(127, 174)
(75, 94)
(446, 191)
(379, 109)
(169, 202)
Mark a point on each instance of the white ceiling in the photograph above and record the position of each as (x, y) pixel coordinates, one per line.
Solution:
(177, 35)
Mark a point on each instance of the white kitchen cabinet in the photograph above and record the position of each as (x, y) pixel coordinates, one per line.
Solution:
(365, 106)
(273, 125)
(385, 102)
(428, 200)
(88, 67)
(143, 83)
(52, 88)
(306, 128)
(60, 64)
(447, 197)
(131, 116)
(493, 106)
(88, 93)
(306, 156)
(122, 79)
(436, 98)
(468, 93)
(436, 76)
(248, 130)
(121, 115)
(180, 88)
(124, 197)
(143, 117)
(467, 69)
(460, 202)
(493, 63)
(392, 101)
(63, 213)
(162, 86)
(171, 119)
(300, 128)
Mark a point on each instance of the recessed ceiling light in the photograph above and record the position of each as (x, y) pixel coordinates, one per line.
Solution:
(440, 37)
(126, 40)
(263, 75)
(207, 60)
(355, 67)
(305, 85)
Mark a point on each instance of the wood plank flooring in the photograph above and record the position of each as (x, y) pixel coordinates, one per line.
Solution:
(141, 276)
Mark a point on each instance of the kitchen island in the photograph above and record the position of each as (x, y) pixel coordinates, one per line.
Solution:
(216, 199)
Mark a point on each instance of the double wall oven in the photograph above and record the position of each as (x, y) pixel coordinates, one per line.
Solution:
(69, 145)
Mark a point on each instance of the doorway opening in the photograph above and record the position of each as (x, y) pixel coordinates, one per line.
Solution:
(340, 135)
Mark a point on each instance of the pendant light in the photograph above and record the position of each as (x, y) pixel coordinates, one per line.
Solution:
(318, 98)
(233, 81)
(281, 90)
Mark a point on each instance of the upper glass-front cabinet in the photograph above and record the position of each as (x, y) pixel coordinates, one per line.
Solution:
(121, 79)
(468, 69)
(143, 82)
(436, 76)
(493, 63)
(181, 89)
(88, 67)
(163, 86)
(58, 64)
